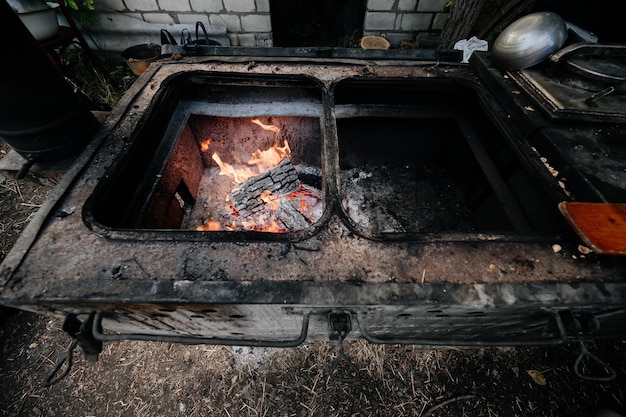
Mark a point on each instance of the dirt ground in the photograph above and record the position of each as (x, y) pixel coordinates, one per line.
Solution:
(162, 379)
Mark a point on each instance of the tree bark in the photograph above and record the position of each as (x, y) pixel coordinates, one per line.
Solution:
(460, 22)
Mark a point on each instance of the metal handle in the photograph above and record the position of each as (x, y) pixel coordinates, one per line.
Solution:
(578, 366)
(193, 340)
(185, 40)
(206, 36)
(587, 49)
(167, 38)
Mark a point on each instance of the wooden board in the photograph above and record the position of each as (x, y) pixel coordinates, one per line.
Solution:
(602, 226)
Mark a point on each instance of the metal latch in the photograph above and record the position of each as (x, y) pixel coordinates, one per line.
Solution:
(342, 369)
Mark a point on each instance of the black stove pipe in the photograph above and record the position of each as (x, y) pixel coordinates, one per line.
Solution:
(40, 115)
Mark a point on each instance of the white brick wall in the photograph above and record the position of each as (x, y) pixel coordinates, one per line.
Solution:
(248, 22)
(210, 6)
(174, 5)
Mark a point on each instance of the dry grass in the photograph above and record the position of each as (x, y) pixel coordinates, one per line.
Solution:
(162, 379)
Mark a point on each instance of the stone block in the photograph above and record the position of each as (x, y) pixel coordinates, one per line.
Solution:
(256, 23)
(246, 39)
(263, 6)
(115, 5)
(415, 21)
(431, 5)
(407, 5)
(380, 5)
(240, 6)
(142, 5)
(377, 21)
(232, 22)
(440, 20)
(210, 6)
(192, 18)
(158, 18)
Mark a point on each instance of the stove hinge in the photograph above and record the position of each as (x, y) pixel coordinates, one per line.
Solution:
(342, 368)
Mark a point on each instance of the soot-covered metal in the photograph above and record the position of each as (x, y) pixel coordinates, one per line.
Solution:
(403, 196)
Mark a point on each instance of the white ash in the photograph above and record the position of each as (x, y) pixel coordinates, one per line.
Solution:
(400, 199)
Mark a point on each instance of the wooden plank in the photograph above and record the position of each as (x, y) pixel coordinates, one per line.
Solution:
(602, 226)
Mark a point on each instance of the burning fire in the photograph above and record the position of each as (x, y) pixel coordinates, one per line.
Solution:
(264, 160)
(204, 145)
(302, 200)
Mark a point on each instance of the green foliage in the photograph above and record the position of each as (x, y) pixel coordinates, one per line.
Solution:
(87, 3)
(102, 90)
(82, 11)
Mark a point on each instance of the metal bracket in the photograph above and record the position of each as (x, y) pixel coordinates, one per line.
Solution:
(82, 335)
(342, 368)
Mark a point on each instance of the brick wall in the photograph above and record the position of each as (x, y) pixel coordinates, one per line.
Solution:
(123, 23)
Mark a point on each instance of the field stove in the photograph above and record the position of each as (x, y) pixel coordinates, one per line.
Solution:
(404, 198)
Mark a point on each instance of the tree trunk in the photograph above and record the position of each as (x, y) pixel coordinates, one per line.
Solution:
(460, 22)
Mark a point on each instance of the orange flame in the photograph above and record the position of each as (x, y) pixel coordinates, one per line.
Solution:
(271, 128)
(268, 199)
(269, 158)
(264, 160)
(210, 226)
(204, 145)
(238, 175)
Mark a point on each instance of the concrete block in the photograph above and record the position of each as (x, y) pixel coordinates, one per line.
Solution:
(415, 21)
(395, 38)
(265, 40)
(158, 18)
(210, 6)
(175, 5)
(232, 22)
(115, 5)
(246, 39)
(142, 5)
(192, 18)
(377, 21)
(256, 23)
(431, 5)
(380, 5)
(240, 6)
(440, 20)
(263, 6)
(233, 38)
(407, 5)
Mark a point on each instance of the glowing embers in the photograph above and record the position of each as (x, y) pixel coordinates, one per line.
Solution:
(265, 189)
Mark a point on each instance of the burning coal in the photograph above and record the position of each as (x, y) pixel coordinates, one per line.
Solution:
(267, 193)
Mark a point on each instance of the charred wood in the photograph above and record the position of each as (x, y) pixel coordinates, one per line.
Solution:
(280, 180)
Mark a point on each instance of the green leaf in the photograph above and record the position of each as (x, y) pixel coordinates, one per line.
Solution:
(71, 4)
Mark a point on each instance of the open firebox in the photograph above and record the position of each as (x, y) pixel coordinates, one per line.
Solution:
(270, 201)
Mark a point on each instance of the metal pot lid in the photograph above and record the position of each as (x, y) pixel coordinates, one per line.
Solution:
(28, 6)
(607, 69)
(529, 40)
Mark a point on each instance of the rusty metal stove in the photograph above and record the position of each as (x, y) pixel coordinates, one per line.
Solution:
(437, 223)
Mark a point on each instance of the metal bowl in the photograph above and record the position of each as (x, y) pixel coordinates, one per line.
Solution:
(529, 40)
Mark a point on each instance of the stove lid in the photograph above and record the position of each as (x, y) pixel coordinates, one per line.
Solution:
(566, 97)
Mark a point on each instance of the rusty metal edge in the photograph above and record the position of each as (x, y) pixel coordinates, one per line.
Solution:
(17, 253)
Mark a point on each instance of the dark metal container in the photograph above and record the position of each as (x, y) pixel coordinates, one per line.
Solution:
(40, 116)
